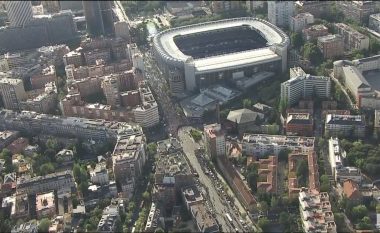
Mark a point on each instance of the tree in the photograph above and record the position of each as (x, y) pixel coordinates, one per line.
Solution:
(146, 196)
(283, 155)
(159, 230)
(284, 218)
(374, 46)
(312, 53)
(152, 149)
(274, 202)
(247, 103)
(47, 168)
(365, 224)
(197, 136)
(252, 176)
(296, 39)
(358, 212)
(52, 144)
(263, 206)
(263, 223)
(76, 171)
(302, 172)
(44, 224)
(325, 183)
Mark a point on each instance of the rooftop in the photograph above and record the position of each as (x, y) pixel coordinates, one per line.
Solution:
(164, 42)
(45, 201)
(329, 38)
(345, 120)
(172, 164)
(204, 219)
(192, 194)
(243, 116)
(299, 118)
(279, 140)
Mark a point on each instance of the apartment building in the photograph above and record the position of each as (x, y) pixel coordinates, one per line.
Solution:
(12, 93)
(203, 219)
(99, 175)
(224, 6)
(262, 144)
(280, 12)
(359, 77)
(146, 114)
(374, 22)
(172, 172)
(46, 75)
(97, 130)
(315, 210)
(99, 69)
(300, 21)
(144, 111)
(299, 124)
(215, 140)
(331, 46)
(74, 57)
(267, 181)
(351, 190)
(6, 137)
(313, 176)
(110, 216)
(41, 101)
(345, 126)
(316, 8)
(338, 170)
(305, 87)
(352, 39)
(315, 31)
(40, 184)
(191, 196)
(128, 159)
(358, 11)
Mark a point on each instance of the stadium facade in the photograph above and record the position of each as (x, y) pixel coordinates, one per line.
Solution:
(199, 55)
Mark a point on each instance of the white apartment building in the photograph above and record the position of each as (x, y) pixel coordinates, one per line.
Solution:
(345, 125)
(315, 210)
(280, 12)
(305, 86)
(146, 114)
(339, 171)
(353, 40)
(12, 92)
(263, 144)
(300, 21)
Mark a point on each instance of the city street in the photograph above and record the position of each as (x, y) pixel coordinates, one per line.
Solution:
(220, 205)
(172, 118)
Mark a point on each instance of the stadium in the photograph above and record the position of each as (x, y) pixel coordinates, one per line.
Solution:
(200, 55)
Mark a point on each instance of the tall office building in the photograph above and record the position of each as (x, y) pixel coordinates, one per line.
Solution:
(12, 91)
(99, 17)
(106, 10)
(93, 17)
(280, 12)
(19, 13)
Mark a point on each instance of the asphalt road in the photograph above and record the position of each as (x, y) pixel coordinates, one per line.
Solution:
(172, 118)
(220, 206)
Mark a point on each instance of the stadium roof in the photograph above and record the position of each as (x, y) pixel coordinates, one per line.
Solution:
(165, 45)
